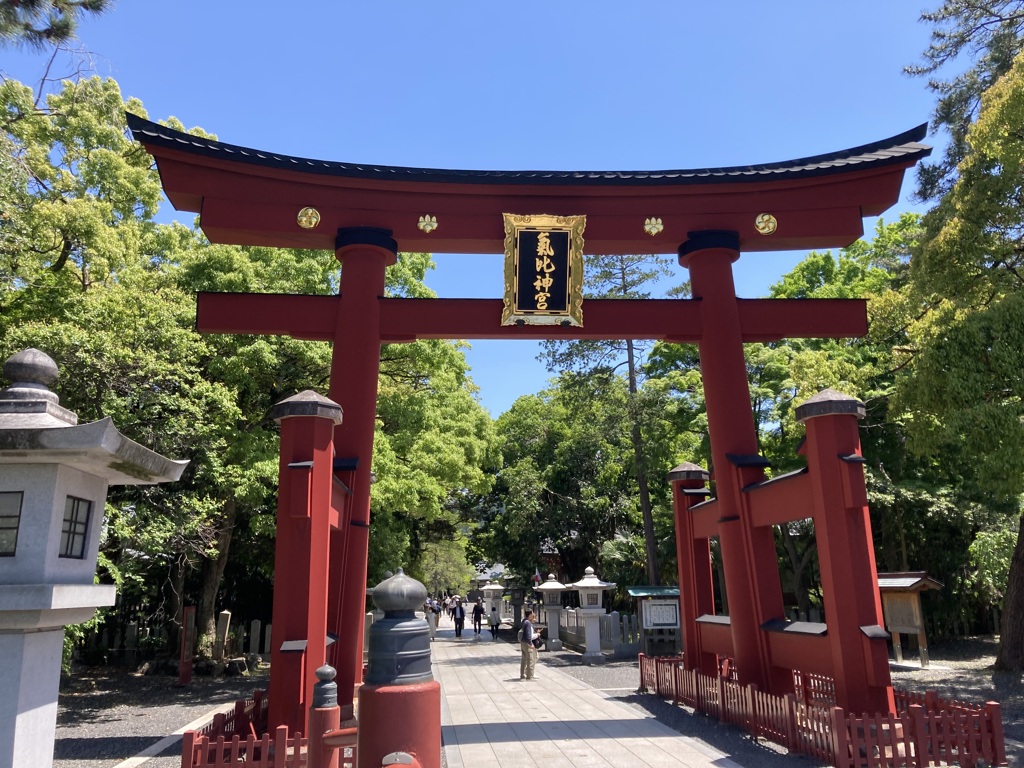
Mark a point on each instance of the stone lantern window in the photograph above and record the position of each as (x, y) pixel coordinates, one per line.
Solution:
(10, 520)
(75, 531)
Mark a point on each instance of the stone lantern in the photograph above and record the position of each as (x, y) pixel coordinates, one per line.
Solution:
(591, 589)
(551, 598)
(54, 475)
(516, 596)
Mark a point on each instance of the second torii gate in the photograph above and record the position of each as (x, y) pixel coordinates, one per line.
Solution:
(366, 214)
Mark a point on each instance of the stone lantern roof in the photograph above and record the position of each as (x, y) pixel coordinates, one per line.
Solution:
(553, 585)
(591, 581)
(35, 428)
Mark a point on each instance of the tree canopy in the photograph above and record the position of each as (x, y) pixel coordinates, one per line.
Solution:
(87, 275)
(44, 23)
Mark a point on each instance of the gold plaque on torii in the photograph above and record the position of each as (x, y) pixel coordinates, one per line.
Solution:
(543, 270)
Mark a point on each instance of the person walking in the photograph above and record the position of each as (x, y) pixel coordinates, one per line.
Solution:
(459, 616)
(478, 616)
(528, 660)
(430, 614)
(494, 622)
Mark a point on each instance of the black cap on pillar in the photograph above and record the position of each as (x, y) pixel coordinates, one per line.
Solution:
(705, 239)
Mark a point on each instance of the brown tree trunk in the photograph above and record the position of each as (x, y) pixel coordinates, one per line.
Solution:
(212, 573)
(174, 590)
(1010, 657)
(640, 466)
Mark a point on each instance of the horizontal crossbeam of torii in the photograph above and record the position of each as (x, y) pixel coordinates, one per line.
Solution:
(367, 213)
(403, 320)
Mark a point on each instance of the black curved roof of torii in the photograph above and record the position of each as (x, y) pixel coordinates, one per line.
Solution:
(898, 149)
(252, 197)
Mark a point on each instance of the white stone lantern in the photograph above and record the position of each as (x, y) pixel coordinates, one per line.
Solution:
(54, 475)
(551, 598)
(591, 590)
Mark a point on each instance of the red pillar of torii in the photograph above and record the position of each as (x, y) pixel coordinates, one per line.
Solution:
(367, 213)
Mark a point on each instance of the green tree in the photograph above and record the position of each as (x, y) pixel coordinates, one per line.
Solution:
(565, 485)
(618, 277)
(44, 23)
(990, 31)
(966, 388)
(87, 275)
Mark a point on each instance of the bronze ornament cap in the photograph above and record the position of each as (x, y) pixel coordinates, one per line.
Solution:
(307, 403)
(688, 471)
(829, 402)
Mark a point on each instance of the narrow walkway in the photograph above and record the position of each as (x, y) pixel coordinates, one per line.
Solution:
(491, 718)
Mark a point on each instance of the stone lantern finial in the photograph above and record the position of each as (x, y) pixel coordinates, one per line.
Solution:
(31, 368)
(28, 401)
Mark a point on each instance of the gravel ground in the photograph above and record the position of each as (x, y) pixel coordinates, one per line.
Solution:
(963, 671)
(107, 716)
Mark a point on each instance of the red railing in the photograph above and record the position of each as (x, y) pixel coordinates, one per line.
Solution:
(814, 690)
(277, 751)
(233, 737)
(248, 718)
(924, 730)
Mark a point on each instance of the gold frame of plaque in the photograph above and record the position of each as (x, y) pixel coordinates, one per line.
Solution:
(550, 251)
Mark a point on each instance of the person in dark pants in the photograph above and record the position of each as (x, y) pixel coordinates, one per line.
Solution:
(494, 622)
(478, 616)
(459, 615)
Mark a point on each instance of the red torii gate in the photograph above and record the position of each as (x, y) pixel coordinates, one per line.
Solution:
(367, 213)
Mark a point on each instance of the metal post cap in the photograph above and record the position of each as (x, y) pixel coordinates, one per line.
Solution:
(325, 692)
(399, 593)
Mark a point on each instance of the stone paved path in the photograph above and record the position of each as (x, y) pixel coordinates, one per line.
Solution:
(491, 718)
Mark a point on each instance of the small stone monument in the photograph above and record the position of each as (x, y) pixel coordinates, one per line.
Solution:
(54, 475)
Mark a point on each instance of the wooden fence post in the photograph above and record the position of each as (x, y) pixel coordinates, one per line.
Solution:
(188, 741)
(790, 716)
(840, 738)
(281, 746)
(919, 731)
(721, 699)
(995, 714)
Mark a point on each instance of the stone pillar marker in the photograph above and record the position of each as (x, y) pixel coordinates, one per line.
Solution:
(220, 641)
(54, 475)
(254, 636)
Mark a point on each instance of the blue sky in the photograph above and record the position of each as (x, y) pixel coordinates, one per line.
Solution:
(609, 86)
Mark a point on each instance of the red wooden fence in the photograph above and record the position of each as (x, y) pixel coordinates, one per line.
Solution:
(924, 731)
(234, 737)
